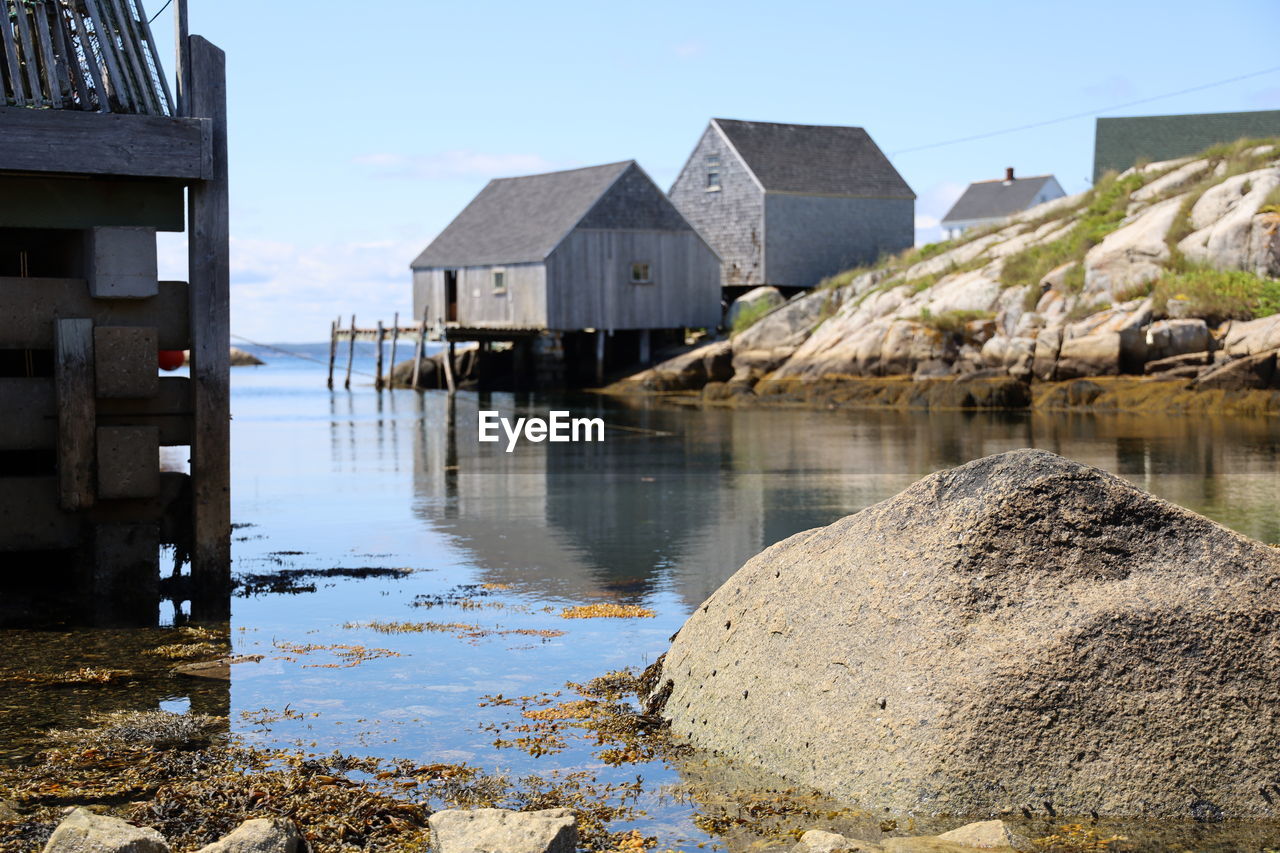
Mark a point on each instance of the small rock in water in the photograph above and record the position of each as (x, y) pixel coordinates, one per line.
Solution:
(503, 831)
(821, 841)
(82, 831)
(260, 835)
(987, 834)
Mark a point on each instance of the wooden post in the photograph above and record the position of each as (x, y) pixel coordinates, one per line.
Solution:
(644, 346)
(182, 63)
(377, 378)
(422, 341)
(448, 369)
(210, 305)
(74, 387)
(351, 353)
(395, 335)
(333, 348)
(599, 357)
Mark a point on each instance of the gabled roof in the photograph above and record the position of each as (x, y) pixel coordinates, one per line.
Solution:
(814, 159)
(520, 220)
(996, 199)
(1121, 142)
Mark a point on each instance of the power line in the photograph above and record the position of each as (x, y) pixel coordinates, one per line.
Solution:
(157, 14)
(1085, 114)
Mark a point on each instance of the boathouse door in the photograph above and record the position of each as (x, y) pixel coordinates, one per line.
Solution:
(451, 296)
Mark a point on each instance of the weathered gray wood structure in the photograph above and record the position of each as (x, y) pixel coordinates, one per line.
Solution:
(788, 204)
(83, 317)
(599, 249)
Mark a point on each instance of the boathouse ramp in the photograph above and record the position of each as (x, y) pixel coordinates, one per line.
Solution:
(83, 316)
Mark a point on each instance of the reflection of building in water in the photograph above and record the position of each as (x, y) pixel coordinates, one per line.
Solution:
(679, 498)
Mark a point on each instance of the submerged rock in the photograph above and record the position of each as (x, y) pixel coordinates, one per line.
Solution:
(260, 835)
(82, 831)
(502, 831)
(1020, 632)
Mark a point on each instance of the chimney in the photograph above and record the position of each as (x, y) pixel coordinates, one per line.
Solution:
(1008, 175)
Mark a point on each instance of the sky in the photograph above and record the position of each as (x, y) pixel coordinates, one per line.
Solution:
(354, 139)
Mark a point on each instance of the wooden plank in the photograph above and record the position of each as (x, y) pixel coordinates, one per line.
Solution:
(69, 75)
(44, 40)
(30, 519)
(29, 307)
(77, 204)
(377, 381)
(210, 300)
(73, 377)
(130, 57)
(11, 53)
(29, 54)
(73, 142)
(448, 369)
(99, 86)
(170, 105)
(117, 86)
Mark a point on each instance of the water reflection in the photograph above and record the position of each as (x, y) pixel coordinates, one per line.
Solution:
(681, 497)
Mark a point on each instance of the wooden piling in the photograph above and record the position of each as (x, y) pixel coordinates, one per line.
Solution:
(395, 336)
(74, 386)
(333, 348)
(599, 357)
(377, 377)
(422, 340)
(209, 302)
(448, 369)
(351, 353)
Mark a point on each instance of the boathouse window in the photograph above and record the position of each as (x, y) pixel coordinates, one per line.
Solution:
(713, 172)
(499, 281)
(640, 273)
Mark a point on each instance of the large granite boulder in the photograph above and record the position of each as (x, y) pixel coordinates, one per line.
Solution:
(260, 835)
(1133, 254)
(752, 302)
(82, 831)
(1021, 632)
(503, 831)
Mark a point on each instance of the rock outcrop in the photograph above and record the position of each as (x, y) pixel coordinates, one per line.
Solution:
(82, 831)
(990, 302)
(1019, 633)
(260, 835)
(502, 831)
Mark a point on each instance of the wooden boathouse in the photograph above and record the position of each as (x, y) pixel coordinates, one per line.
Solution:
(97, 155)
(584, 266)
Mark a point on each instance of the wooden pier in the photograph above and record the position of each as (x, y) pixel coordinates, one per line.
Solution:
(86, 181)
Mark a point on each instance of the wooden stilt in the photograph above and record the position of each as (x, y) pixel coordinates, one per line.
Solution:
(333, 348)
(599, 357)
(644, 346)
(351, 353)
(395, 336)
(448, 369)
(209, 265)
(74, 386)
(422, 341)
(377, 378)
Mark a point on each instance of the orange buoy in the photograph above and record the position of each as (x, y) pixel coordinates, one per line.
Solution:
(172, 359)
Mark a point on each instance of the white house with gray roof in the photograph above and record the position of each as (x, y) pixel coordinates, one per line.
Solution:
(599, 248)
(789, 204)
(991, 202)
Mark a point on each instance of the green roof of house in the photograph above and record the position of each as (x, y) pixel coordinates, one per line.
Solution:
(1121, 142)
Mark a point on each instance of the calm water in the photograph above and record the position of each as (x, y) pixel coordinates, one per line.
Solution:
(659, 515)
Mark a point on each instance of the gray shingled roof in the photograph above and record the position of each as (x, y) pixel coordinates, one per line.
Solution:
(994, 199)
(520, 220)
(814, 159)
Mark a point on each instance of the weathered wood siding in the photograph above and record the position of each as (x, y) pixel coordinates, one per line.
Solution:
(589, 281)
(731, 218)
(811, 237)
(523, 304)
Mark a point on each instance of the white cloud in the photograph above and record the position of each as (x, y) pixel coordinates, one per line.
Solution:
(926, 222)
(460, 163)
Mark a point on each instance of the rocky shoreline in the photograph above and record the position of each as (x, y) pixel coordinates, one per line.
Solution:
(1168, 273)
